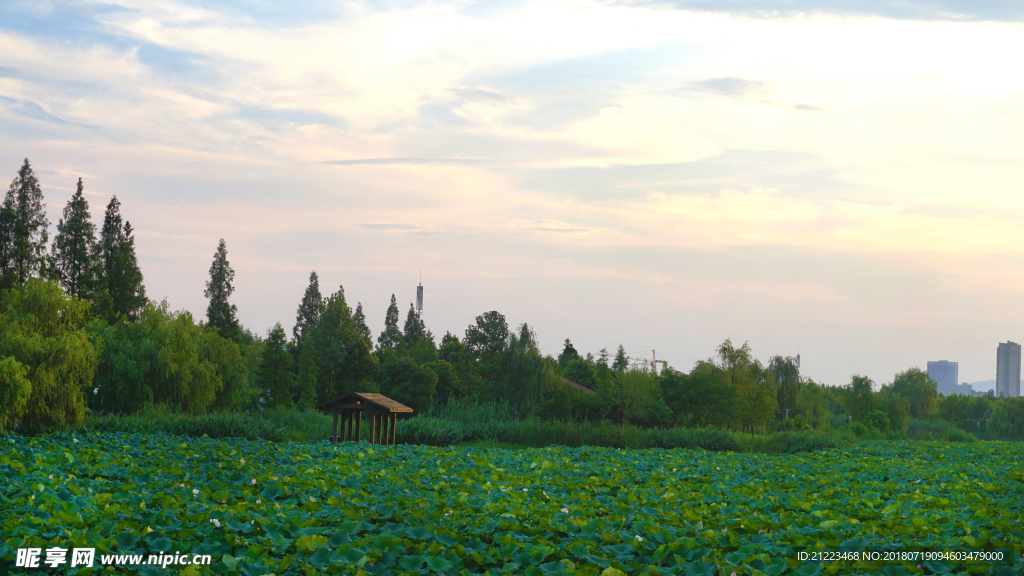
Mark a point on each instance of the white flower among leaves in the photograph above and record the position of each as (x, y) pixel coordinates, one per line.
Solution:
(215, 522)
(182, 485)
(195, 491)
(253, 481)
(311, 499)
(524, 489)
(639, 538)
(242, 460)
(258, 501)
(565, 510)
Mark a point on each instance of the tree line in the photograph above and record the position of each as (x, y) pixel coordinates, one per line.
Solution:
(77, 331)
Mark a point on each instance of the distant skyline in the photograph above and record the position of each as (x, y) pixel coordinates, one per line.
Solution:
(842, 178)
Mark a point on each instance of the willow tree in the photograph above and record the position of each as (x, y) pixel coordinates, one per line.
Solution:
(43, 341)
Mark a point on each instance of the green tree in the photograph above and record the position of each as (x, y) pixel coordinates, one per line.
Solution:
(364, 330)
(621, 362)
(401, 379)
(524, 377)
(787, 380)
(162, 358)
(122, 294)
(74, 255)
(24, 230)
(468, 381)
(391, 337)
(641, 401)
(859, 399)
(568, 354)
(306, 379)
(896, 409)
(220, 313)
(414, 328)
(812, 404)
(43, 339)
(15, 391)
(753, 385)
(344, 361)
(581, 372)
(310, 309)
(231, 364)
(1008, 418)
(488, 336)
(918, 389)
(274, 377)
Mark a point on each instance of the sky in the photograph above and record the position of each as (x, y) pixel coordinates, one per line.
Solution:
(840, 179)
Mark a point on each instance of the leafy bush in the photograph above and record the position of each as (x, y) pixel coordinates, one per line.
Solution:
(858, 429)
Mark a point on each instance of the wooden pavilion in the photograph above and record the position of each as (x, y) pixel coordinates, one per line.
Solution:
(383, 416)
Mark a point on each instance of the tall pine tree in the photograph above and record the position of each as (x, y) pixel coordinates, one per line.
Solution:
(74, 256)
(275, 380)
(310, 308)
(391, 337)
(24, 230)
(220, 313)
(361, 326)
(414, 328)
(122, 294)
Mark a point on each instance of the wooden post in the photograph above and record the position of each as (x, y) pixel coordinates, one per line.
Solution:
(373, 428)
(394, 425)
(359, 426)
(334, 435)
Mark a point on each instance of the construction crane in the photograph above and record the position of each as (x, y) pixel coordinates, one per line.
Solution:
(655, 362)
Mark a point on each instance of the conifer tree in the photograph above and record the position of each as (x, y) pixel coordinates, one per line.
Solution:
(344, 362)
(414, 328)
(122, 293)
(23, 230)
(391, 337)
(361, 326)
(310, 308)
(621, 362)
(220, 313)
(274, 377)
(74, 256)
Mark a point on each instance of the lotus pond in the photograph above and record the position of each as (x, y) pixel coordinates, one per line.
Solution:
(318, 508)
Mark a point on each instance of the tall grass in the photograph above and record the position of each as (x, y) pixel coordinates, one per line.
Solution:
(275, 425)
(937, 430)
(454, 422)
(538, 433)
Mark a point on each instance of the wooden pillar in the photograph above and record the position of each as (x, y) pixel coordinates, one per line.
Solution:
(334, 435)
(394, 425)
(348, 428)
(373, 427)
(359, 426)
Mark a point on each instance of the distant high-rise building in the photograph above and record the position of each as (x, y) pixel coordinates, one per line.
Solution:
(945, 374)
(1008, 369)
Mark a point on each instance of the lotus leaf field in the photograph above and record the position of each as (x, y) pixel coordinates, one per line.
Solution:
(318, 508)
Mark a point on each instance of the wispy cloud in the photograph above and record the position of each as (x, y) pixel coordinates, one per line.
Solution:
(722, 86)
